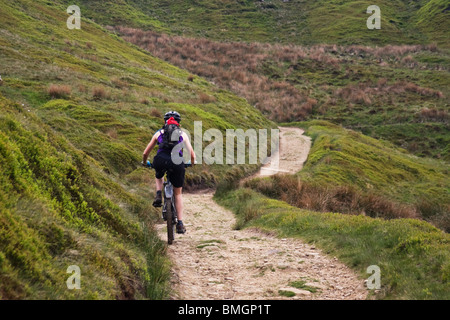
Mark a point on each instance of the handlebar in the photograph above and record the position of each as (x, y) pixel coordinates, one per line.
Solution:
(150, 165)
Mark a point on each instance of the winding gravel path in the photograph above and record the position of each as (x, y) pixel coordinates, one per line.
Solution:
(214, 261)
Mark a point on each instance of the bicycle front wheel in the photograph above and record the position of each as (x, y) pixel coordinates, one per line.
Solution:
(170, 224)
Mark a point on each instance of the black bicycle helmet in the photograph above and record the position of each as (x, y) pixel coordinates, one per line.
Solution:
(173, 114)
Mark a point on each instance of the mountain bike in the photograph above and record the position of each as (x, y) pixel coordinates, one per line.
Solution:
(169, 210)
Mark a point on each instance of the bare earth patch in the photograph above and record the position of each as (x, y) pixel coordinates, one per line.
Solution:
(214, 261)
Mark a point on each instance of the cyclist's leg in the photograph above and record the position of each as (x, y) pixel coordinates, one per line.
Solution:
(159, 184)
(179, 202)
(179, 205)
(176, 177)
(160, 164)
(158, 197)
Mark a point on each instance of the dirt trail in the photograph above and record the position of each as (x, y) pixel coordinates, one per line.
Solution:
(293, 151)
(214, 261)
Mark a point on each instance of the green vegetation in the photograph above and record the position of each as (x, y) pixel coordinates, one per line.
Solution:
(208, 243)
(344, 157)
(432, 18)
(57, 208)
(413, 255)
(104, 95)
(77, 108)
(397, 93)
(117, 12)
(302, 284)
(293, 21)
(348, 172)
(375, 189)
(286, 293)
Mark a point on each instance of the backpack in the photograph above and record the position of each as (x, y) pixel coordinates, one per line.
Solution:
(171, 137)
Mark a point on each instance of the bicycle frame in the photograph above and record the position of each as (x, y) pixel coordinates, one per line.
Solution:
(168, 194)
(169, 210)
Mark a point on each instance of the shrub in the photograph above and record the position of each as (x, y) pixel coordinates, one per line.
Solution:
(99, 93)
(236, 67)
(267, 75)
(144, 101)
(155, 113)
(59, 91)
(119, 83)
(433, 114)
(205, 98)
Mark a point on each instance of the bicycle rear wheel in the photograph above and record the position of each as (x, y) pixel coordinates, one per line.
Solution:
(170, 225)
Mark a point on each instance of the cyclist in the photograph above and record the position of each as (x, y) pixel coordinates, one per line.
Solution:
(163, 163)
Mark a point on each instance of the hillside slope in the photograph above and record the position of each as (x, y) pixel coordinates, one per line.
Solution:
(286, 21)
(77, 109)
(57, 209)
(348, 172)
(107, 97)
(398, 93)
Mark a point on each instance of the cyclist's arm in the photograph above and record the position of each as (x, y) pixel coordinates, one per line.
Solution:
(150, 147)
(189, 147)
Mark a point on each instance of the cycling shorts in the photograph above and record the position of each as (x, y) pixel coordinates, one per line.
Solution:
(175, 172)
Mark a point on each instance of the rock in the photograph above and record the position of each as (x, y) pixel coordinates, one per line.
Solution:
(73, 252)
(311, 254)
(282, 266)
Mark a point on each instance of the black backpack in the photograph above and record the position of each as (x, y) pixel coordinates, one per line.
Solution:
(171, 137)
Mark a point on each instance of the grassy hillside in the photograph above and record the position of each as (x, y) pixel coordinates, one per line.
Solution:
(77, 109)
(292, 21)
(58, 208)
(398, 93)
(348, 172)
(432, 19)
(116, 12)
(107, 97)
